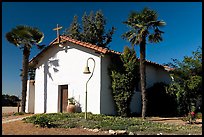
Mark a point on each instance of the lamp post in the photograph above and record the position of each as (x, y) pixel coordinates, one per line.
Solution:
(87, 71)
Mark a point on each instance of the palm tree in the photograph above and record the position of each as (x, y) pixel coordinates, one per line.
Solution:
(25, 37)
(144, 26)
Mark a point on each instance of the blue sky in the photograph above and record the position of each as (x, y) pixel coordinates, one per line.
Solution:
(183, 32)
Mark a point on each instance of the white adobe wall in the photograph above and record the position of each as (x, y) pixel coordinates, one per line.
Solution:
(30, 96)
(156, 74)
(39, 90)
(153, 75)
(107, 102)
(65, 66)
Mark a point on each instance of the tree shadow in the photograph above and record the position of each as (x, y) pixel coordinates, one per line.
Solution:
(50, 63)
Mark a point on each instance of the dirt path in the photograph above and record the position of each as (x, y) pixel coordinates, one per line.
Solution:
(12, 126)
(6, 119)
(21, 128)
(173, 120)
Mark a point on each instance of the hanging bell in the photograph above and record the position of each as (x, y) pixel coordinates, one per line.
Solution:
(86, 70)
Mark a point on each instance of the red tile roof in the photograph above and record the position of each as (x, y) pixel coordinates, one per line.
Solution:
(83, 44)
(88, 45)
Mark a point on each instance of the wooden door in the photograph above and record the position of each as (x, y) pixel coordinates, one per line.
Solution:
(64, 98)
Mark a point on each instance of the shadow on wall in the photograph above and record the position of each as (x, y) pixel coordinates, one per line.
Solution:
(54, 63)
(159, 102)
(47, 65)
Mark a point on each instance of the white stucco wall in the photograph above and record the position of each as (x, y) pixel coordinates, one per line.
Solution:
(39, 90)
(153, 75)
(65, 66)
(156, 74)
(30, 96)
(107, 102)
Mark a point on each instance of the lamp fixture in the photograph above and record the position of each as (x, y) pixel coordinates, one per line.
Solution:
(87, 71)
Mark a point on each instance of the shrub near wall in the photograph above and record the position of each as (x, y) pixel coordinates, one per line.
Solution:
(124, 79)
(159, 102)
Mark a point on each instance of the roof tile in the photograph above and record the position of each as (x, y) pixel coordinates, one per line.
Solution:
(85, 44)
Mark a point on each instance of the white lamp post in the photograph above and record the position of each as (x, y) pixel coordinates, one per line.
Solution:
(87, 71)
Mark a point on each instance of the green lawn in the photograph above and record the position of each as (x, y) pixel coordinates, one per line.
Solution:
(134, 124)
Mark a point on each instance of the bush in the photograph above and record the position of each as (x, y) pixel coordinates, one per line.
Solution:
(190, 118)
(18, 113)
(41, 120)
(199, 115)
(124, 74)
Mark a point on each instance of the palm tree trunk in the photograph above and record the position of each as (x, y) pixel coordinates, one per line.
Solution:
(26, 54)
(143, 77)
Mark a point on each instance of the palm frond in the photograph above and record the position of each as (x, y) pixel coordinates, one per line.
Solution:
(156, 23)
(151, 38)
(161, 23)
(155, 38)
(11, 37)
(25, 36)
(134, 41)
(37, 35)
(128, 35)
(157, 30)
(142, 24)
(148, 15)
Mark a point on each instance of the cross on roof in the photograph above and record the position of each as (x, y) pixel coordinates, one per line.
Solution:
(57, 29)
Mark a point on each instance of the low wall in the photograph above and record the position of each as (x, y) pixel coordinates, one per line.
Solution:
(10, 109)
